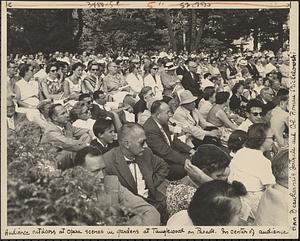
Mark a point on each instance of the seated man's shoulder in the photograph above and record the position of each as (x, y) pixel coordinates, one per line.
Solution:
(148, 124)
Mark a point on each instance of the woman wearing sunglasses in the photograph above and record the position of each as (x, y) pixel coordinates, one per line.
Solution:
(152, 79)
(52, 87)
(250, 167)
(91, 81)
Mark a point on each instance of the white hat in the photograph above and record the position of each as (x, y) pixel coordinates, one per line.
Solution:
(170, 66)
(186, 97)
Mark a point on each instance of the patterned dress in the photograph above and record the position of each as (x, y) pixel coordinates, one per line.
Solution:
(179, 197)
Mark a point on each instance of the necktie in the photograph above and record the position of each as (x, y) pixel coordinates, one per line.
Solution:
(165, 135)
(154, 78)
(130, 162)
(135, 171)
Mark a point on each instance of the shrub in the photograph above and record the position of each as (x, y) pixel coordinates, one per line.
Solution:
(40, 194)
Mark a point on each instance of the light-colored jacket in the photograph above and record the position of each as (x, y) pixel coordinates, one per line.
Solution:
(157, 86)
(70, 139)
(183, 118)
(145, 214)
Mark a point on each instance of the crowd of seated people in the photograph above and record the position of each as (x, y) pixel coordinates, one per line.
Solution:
(177, 134)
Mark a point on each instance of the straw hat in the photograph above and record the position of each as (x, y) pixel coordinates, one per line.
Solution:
(186, 97)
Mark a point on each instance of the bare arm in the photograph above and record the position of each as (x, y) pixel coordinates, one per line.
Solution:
(224, 118)
(87, 85)
(66, 89)
(20, 102)
(46, 93)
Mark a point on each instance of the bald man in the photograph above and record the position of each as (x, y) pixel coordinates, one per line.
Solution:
(137, 168)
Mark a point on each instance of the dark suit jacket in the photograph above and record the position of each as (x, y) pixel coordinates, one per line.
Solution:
(252, 70)
(101, 148)
(181, 70)
(153, 169)
(235, 102)
(192, 84)
(156, 140)
(139, 107)
(120, 195)
(97, 112)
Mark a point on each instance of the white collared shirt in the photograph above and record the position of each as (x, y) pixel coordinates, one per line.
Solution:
(163, 131)
(101, 106)
(99, 141)
(11, 123)
(138, 177)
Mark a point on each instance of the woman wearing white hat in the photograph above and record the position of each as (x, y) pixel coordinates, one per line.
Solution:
(169, 80)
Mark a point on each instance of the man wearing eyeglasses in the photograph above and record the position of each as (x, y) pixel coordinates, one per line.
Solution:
(266, 95)
(254, 110)
(137, 168)
(113, 82)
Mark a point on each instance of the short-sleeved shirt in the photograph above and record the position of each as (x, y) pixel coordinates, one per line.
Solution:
(252, 168)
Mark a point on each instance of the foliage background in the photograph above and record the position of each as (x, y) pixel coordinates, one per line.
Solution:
(73, 30)
(40, 194)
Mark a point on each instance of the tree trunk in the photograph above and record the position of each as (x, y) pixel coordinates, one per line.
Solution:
(80, 28)
(193, 30)
(204, 20)
(255, 38)
(280, 34)
(170, 30)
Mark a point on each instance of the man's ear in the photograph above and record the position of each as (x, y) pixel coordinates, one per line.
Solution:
(125, 143)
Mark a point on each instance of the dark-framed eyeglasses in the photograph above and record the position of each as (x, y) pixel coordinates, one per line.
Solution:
(94, 69)
(53, 70)
(257, 113)
(271, 137)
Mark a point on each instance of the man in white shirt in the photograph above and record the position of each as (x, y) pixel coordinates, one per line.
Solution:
(137, 168)
(270, 67)
(266, 95)
(144, 214)
(163, 143)
(254, 110)
(258, 86)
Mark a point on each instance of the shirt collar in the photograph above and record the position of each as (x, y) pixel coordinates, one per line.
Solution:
(101, 106)
(159, 125)
(101, 142)
(61, 128)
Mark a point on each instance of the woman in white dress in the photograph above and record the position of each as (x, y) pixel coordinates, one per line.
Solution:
(152, 79)
(72, 84)
(251, 167)
(133, 79)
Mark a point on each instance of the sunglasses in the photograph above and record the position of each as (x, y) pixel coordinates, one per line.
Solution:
(94, 69)
(155, 68)
(257, 113)
(271, 137)
(53, 70)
